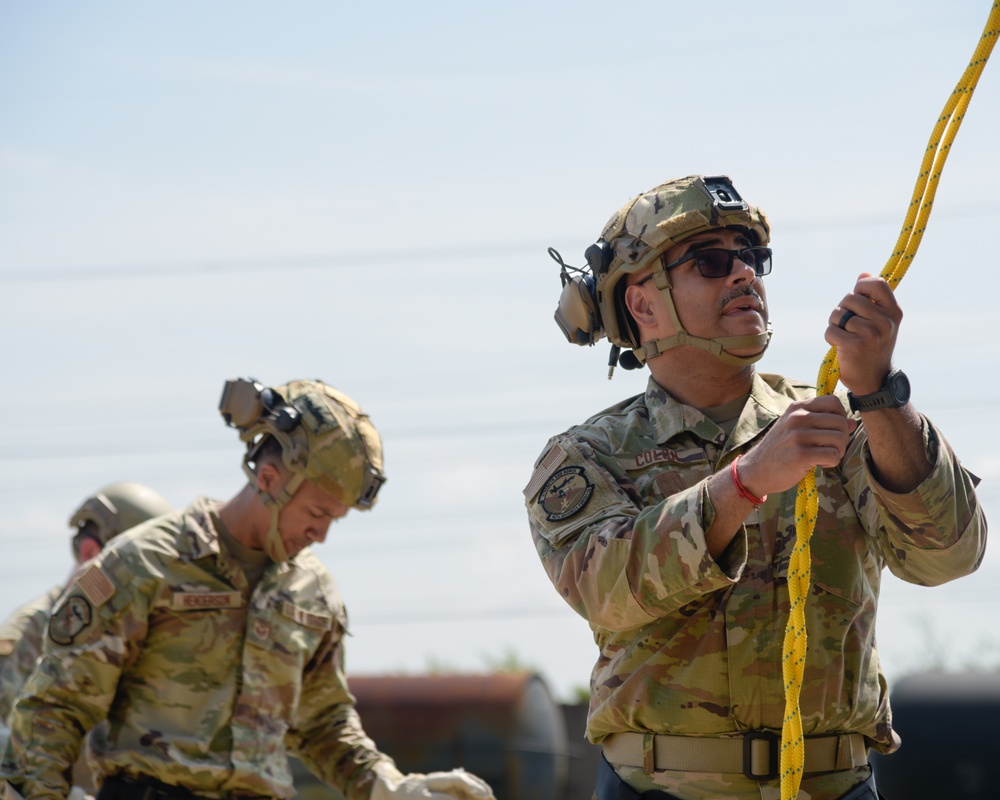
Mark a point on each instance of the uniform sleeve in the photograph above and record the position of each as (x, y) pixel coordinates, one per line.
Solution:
(73, 684)
(617, 564)
(931, 535)
(15, 669)
(20, 645)
(328, 736)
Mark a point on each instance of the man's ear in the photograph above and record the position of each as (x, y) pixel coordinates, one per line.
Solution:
(269, 478)
(640, 307)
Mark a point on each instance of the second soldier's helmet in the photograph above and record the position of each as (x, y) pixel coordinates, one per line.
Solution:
(592, 304)
(323, 434)
(116, 508)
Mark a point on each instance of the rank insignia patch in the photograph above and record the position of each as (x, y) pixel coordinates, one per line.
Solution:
(69, 619)
(565, 493)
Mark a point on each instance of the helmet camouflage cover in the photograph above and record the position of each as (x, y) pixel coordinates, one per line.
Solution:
(324, 435)
(654, 221)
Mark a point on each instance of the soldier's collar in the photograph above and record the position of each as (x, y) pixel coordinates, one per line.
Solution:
(670, 417)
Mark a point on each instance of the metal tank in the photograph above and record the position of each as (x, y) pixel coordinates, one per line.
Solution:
(948, 723)
(504, 727)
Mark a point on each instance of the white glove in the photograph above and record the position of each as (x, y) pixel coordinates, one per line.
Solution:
(8, 792)
(391, 784)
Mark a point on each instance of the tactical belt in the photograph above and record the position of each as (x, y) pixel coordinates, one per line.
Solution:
(118, 787)
(754, 754)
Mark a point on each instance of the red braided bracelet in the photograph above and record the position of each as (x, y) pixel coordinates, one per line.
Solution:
(741, 490)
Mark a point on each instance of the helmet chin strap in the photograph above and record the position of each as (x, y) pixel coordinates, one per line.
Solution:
(718, 347)
(274, 545)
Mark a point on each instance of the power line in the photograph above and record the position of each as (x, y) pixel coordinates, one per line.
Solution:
(207, 267)
(376, 258)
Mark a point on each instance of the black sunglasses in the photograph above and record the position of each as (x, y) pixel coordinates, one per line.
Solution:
(717, 262)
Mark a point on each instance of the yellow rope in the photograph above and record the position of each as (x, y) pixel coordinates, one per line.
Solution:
(807, 502)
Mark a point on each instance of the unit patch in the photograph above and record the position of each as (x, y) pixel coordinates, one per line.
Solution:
(565, 493)
(69, 618)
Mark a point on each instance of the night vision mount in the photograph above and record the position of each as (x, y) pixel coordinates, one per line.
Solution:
(245, 402)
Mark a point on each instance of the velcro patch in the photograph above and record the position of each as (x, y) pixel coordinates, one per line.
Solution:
(69, 618)
(565, 493)
(96, 585)
(669, 483)
(193, 600)
(553, 459)
(303, 617)
(7, 646)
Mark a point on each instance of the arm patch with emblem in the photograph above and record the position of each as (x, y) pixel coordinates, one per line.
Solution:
(565, 493)
(75, 611)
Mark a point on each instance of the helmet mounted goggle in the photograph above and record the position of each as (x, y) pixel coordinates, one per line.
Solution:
(592, 302)
(258, 412)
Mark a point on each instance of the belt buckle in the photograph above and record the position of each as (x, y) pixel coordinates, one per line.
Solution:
(772, 755)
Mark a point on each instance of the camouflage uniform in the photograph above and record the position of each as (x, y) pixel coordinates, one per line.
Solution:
(21, 637)
(205, 684)
(689, 645)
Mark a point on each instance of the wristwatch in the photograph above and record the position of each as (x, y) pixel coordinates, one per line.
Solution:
(895, 393)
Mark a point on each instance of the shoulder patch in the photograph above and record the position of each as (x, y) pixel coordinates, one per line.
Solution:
(97, 586)
(553, 459)
(565, 493)
(70, 617)
(7, 646)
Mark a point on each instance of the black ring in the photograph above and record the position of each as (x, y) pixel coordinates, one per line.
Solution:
(843, 320)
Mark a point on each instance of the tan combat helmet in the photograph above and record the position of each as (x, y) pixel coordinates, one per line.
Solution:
(592, 303)
(324, 437)
(116, 508)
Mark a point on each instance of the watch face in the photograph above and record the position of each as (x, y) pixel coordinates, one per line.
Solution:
(899, 385)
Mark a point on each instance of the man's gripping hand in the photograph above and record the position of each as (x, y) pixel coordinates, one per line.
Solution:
(866, 340)
(810, 433)
(391, 784)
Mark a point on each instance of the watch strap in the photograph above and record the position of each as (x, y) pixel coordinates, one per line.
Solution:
(883, 398)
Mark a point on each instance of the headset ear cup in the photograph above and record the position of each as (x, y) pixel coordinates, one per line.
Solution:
(577, 314)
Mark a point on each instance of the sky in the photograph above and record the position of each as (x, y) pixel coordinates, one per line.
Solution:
(364, 194)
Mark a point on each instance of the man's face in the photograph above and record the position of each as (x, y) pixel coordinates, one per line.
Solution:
(735, 305)
(307, 517)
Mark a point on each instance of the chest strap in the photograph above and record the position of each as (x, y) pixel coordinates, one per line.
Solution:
(754, 754)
